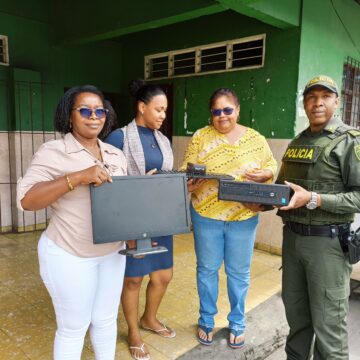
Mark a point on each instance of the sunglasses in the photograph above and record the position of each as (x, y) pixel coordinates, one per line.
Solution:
(86, 112)
(225, 110)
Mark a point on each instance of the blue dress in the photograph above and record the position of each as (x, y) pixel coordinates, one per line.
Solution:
(153, 159)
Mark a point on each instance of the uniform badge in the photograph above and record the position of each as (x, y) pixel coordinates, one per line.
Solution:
(357, 151)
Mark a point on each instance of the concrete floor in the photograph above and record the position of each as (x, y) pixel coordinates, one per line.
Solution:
(27, 322)
(353, 331)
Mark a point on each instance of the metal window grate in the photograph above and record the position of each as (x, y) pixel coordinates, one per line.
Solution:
(350, 93)
(230, 55)
(248, 53)
(184, 63)
(213, 59)
(4, 51)
(157, 67)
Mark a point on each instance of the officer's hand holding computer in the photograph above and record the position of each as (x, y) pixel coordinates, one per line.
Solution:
(302, 197)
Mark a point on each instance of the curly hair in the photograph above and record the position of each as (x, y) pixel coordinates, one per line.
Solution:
(66, 104)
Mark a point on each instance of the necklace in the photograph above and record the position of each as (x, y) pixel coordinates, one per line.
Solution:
(95, 151)
(96, 154)
(93, 148)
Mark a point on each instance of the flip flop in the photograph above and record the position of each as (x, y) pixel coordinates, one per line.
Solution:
(207, 331)
(141, 348)
(159, 331)
(236, 334)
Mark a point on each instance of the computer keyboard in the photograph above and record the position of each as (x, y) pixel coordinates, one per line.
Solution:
(192, 175)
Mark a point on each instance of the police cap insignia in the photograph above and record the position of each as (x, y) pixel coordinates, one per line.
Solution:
(357, 151)
(323, 81)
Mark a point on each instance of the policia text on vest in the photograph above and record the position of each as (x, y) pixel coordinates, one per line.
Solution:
(302, 153)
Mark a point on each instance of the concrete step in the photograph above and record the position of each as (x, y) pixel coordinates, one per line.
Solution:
(266, 331)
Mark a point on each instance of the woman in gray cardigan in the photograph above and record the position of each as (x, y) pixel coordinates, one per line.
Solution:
(145, 149)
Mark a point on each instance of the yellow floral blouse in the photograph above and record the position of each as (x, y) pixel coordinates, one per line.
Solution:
(211, 148)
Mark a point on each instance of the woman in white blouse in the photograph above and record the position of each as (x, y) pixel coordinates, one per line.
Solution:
(81, 278)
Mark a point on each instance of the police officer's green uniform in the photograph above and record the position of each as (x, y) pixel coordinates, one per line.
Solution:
(316, 274)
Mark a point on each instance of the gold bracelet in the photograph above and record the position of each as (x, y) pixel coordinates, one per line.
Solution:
(70, 185)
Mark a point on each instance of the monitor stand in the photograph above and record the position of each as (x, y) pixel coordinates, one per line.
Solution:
(144, 247)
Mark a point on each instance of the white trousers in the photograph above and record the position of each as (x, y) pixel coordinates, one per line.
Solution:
(85, 293)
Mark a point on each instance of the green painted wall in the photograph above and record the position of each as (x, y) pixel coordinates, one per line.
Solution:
(325, 43)
(267, 95)
(31, 47)
(5, 104)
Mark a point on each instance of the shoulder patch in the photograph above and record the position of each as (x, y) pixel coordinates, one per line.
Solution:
(354, 132)
(357, 151)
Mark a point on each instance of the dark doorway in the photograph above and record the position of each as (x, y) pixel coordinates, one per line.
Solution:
(114, 100)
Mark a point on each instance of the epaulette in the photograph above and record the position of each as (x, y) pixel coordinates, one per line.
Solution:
(354, 132)
(344, 129)
(339, 135)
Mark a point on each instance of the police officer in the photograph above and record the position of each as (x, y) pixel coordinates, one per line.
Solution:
(322, 166)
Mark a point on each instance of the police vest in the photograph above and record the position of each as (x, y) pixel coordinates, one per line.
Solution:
(306, 162)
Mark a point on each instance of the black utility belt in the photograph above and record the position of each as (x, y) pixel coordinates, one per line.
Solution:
(318, 230)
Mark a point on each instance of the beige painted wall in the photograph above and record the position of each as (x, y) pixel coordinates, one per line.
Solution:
(16, 152)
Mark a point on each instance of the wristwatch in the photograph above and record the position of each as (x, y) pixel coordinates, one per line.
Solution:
(312, 204)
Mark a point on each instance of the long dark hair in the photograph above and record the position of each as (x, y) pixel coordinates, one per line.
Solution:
(66, 104)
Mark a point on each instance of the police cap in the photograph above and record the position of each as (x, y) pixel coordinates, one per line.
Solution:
(323, 81)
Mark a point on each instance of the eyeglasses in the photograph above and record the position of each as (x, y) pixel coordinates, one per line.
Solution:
(225, 110)
(87, 112)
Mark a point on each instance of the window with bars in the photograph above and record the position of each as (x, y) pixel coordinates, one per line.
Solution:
(183, 63)
(213, 58)
(350, 93)
(159, 66)
(239, 54)
(4, 52)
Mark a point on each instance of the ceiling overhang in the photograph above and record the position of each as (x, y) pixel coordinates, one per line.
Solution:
(118, 19)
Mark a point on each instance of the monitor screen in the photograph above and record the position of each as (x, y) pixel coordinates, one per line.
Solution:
(138, 207)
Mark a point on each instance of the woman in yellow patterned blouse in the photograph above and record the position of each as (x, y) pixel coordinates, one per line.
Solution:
(224, 230)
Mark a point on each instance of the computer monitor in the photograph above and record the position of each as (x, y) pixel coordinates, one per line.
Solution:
(139, 208)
